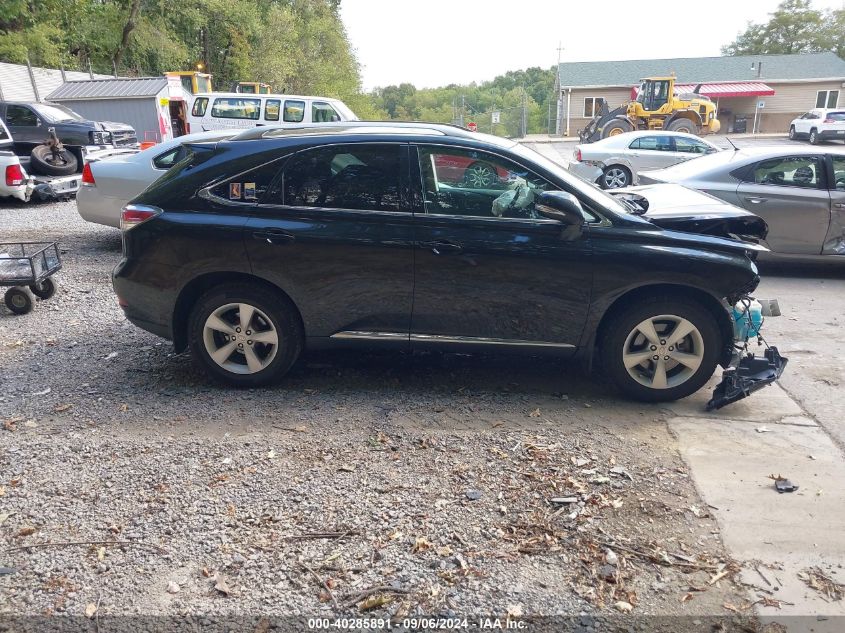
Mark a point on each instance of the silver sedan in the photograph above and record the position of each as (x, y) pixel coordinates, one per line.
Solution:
(620, 158)
(107, 185)
(799, 192)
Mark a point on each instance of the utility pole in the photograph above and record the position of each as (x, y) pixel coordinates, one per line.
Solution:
(559, 95)
(463, 109)
(524, 120)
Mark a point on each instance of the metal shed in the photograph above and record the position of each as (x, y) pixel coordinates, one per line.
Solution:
(154, 106)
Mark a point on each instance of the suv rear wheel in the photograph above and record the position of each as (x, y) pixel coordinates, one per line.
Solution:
(661, 349)
(244, 334)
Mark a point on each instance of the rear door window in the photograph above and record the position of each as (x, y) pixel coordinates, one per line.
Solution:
(839, 173)
(236, 108)
(294, 111)
(790, 171)
(653, 143)
(250, 187)
(838, 117)
(357, 177)
(271, 109)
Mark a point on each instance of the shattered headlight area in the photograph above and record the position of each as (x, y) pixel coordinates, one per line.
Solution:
(749, 373)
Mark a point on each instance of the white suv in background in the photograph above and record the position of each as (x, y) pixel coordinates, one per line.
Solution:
(820, 124)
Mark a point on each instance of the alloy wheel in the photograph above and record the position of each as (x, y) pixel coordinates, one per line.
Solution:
(663, 351)
(615, 177)
(240, 338)
(479, 176)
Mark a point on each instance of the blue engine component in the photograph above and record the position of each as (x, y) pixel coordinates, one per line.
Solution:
(748, 319)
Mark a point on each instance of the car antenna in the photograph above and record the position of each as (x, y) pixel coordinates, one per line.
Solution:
(736, 149)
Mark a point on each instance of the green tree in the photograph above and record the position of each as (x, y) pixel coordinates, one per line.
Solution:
(794, 27)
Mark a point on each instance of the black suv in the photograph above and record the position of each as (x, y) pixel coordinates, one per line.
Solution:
(421, 236)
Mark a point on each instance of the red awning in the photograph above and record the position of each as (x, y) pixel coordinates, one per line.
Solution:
(723, 90)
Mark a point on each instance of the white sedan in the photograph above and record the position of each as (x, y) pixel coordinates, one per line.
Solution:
(107, 185)
(620, 158)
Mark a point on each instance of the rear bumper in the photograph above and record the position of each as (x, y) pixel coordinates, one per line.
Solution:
(97, 208)
(147, 306)
(585, 171)
(827, 135)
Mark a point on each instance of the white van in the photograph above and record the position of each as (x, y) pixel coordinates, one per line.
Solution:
(221, 110)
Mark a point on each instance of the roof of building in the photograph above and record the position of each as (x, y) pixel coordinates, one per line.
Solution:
(129, 87)
(15, 82)
(704, 69)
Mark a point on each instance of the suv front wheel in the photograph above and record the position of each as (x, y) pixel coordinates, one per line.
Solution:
(661, 349)
(245, 335)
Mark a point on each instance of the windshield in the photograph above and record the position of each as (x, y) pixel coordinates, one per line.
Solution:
(593, 194)
(55, 113)
(348, 114)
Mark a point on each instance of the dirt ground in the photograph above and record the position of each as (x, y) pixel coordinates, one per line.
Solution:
(378, 485)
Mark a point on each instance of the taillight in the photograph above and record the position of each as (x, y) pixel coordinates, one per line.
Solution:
(187, 128)
(135, 214)
(828, 121)
(14, 176)
(87, 175)
(577, 154)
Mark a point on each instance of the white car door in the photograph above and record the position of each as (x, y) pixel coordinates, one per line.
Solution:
(651, 152)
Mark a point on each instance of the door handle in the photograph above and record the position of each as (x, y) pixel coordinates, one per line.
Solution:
(755, 199)
(442, 248)
(274, 236)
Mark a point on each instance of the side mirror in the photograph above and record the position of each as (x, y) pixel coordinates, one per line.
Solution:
(560, 206)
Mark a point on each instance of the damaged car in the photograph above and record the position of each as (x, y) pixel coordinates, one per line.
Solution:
(253, 249)
(800, 193)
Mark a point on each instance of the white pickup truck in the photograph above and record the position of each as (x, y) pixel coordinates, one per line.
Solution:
(15, 182)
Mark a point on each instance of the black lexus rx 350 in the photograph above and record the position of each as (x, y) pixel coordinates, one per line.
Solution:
(417, 236)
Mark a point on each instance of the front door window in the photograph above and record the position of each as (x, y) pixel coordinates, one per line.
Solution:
(472, 183)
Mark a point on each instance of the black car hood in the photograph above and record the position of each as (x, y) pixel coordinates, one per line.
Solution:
(677, 208)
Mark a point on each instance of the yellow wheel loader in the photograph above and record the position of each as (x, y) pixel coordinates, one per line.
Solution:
(656, 107)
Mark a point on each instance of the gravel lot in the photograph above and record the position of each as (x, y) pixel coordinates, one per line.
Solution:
(380, 484)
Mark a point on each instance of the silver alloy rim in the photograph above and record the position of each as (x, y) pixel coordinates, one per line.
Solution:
(479, 176)
(663, 351)
(615, 178)
(240, 338)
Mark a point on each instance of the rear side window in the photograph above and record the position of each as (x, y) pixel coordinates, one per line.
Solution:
(200, 105)
(322, 112)
(271, 109)
(170, 157)
(236, 108)
(790, 171)
(653, 143)
(294, 111)
(357, 177)
(251, 187)
(836, 116)
(3, 133)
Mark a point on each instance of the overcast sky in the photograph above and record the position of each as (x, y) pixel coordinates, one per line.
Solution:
(437, 42)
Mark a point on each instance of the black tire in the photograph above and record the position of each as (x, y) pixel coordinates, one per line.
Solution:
(18, 300)
(792, 135)
(683, 125)
(615, 177)
(45, 289)
(814, 137)
(615, 127)
(621, 335)
(480, 176)
(41, 162)
(281, 319)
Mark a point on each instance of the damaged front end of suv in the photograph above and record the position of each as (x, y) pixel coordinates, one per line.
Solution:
(677, 208)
